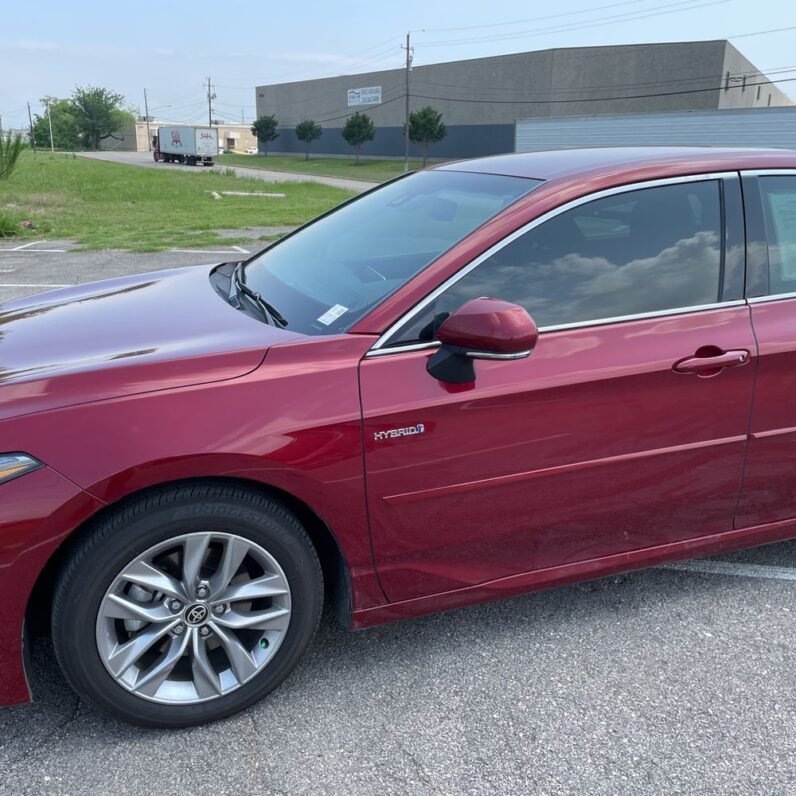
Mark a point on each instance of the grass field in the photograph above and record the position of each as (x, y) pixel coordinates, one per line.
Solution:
(372, 170)
(111, 206)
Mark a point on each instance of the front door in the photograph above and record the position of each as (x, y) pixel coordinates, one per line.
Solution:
(615, 435)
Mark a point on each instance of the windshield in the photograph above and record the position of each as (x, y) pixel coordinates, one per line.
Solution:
(328, 275)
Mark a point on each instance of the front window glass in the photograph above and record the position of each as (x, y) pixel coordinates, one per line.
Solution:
(327, 276)
(643, 251)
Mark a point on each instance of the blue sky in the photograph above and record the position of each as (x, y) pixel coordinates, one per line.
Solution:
(135, 45)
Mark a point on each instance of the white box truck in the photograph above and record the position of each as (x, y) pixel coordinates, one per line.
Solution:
(183, 144)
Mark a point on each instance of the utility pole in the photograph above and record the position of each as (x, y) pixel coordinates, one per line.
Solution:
(50, 122)
(210, 98)
(146, 116)
(406, 110)
(32, 136)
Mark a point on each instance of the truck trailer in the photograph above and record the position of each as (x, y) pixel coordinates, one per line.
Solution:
(184, 144)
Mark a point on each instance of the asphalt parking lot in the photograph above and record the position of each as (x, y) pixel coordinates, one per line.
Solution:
(677, 680)
(35, 266)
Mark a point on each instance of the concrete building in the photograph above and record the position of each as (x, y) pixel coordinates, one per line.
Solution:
(480, 99)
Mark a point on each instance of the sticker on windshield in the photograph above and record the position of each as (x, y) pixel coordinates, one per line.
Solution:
(331, 315)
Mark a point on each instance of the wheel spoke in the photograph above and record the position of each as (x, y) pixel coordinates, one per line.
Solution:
(121, 607)
(235, 551)
(241, 660)
(205, 678)
(150, 577)
(266, 586)
(272, 619)
(125, 655)
(150, 682)
(194, 550)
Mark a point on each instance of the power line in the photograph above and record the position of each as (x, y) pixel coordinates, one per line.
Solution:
(760, 32)
(337, 60)
(577, 90)
(349, 112)
(655, 11)
(602, 99)
(531, 19)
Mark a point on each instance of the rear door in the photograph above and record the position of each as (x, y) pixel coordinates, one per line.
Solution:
(613, 436)
(769, 492)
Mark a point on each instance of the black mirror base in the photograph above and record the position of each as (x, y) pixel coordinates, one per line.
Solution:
(451, 367)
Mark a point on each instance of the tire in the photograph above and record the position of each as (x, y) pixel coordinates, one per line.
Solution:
(108, 582)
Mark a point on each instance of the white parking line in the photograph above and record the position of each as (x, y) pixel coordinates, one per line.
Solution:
(708, 567)
(210, 251)
(25, 245)
(29, 284)
(32, 251)
(241, 250)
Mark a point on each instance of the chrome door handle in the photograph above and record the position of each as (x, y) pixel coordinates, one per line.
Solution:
(710, 364)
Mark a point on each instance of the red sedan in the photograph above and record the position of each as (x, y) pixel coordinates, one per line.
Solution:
(477, 380)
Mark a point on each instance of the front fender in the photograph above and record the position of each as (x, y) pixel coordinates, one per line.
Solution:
(39, 511)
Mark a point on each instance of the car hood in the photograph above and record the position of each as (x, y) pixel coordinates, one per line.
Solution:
(123, 336)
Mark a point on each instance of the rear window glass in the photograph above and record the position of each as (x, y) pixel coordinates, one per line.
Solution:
(779, 211)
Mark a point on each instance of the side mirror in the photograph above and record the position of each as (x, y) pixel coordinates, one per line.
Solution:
(483, 328)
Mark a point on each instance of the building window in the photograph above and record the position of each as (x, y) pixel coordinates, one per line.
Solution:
(727, 82)
(230, 143)
(769, 99)
(758, 93)
(743, 84)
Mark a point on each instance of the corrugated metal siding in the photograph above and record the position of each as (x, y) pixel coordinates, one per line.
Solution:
(764, 127)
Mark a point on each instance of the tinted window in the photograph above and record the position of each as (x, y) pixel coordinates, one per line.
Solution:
(642, 251)
(328, 275)
(779, 212)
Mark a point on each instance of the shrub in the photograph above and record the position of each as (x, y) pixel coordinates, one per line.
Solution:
(10, 147)
(357, 130)
(9, 226)
(307, 131)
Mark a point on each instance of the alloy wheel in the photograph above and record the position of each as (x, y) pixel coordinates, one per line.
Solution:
(193, 618)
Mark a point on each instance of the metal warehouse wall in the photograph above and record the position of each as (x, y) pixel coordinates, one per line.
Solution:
(755, 127)
(480, 98)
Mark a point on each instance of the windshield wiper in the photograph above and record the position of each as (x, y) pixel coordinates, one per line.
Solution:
(269, 312)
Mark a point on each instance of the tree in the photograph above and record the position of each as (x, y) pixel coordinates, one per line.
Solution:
(357, 130)
(98, 113)
(307, 131)
(264, 130)
(10, 147)
(66, 131)
(425, 128)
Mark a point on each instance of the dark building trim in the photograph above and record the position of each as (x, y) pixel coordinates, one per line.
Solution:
(462, 141)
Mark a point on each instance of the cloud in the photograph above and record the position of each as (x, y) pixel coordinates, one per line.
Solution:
(573, 287)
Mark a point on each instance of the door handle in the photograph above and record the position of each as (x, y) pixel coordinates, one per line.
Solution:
(711, 360)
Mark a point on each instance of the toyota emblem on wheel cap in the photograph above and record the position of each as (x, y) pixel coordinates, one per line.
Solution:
(196, 614)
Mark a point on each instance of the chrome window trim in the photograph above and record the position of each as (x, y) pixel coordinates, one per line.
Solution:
(770, 297)
(719, 305)
(378, 347)
(768, 172)
(402, 349)
(500, 357)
